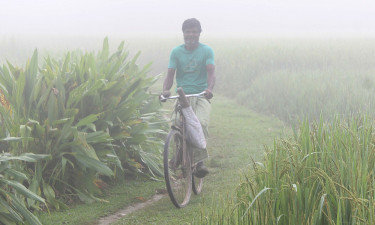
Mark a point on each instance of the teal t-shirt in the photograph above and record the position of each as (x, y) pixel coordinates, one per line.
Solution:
(191, 72)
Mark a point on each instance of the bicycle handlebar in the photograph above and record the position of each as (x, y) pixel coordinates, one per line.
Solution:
(199, 95)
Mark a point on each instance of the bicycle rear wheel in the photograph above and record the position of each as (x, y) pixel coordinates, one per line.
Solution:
(177, 170)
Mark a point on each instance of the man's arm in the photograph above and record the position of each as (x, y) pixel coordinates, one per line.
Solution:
(211, 78)
(168, 82)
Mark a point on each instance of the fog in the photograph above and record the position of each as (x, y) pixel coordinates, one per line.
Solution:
(55, 26)
(164, 17)
(272, 65)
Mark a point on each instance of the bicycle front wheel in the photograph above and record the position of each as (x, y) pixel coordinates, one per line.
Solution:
(177, 170)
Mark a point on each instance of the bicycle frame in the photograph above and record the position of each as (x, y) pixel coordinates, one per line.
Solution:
(187, 155)
(178, 111)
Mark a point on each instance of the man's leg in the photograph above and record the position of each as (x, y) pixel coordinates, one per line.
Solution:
(202, 109)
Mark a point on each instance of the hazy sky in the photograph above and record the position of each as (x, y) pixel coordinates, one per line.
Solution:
(106, 17)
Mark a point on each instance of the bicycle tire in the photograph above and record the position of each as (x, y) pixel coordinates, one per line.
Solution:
(177, 174)
(197, 185)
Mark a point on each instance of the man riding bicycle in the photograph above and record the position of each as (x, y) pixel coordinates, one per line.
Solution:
(193, 64)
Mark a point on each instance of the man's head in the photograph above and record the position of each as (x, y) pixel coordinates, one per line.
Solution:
(191, 23)
(191, 29)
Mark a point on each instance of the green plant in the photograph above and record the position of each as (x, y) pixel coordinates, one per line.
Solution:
(13, 194)
(92, 114)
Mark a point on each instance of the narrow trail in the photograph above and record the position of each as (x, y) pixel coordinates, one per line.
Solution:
(129, 209)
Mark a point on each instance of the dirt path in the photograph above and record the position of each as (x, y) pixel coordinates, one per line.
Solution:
(129, 209)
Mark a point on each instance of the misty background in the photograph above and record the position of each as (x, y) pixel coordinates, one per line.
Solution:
(164, 17)
(285, 58)
(55, 26)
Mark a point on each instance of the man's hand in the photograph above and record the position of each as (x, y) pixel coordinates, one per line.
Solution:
(208, 94)
(164, 94)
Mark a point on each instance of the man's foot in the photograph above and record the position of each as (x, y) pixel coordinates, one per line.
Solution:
(200, 170)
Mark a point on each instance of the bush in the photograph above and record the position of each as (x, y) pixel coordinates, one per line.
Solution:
(91, 113)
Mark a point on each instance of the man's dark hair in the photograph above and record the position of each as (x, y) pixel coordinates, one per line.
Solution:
(190, 23)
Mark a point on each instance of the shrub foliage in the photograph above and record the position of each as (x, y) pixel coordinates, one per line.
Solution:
(92, 114)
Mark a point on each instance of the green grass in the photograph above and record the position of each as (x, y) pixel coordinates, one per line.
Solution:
(236, 136)
(324, 175)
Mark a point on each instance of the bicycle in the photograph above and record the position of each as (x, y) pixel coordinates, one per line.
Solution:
(178, 160)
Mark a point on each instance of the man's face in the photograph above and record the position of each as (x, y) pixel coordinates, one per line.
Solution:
(191, 36)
